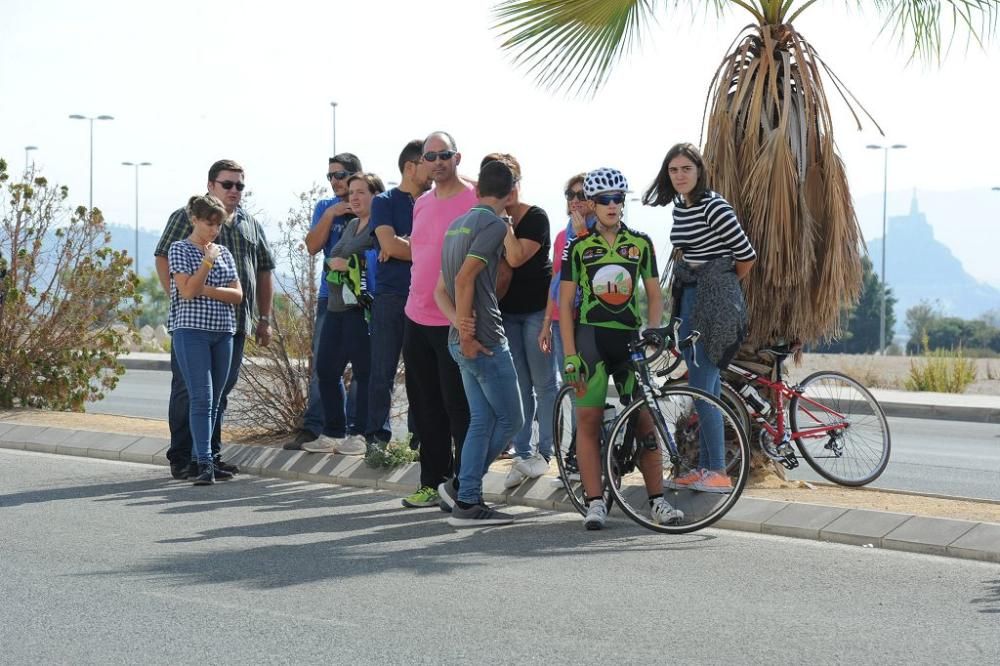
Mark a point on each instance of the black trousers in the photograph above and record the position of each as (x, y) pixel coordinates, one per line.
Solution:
(437, 400)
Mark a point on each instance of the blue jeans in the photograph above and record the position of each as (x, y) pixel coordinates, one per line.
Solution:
(536, 375)
(557, 349)
(343, 340)
(494, 414)
(312, 420)
(712, 449)
(387, 327)
(178, 409)
(204, 358)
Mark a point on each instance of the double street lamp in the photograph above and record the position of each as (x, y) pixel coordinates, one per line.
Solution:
(27, 157)
(77, 116)
(885, 193)
(136, 165)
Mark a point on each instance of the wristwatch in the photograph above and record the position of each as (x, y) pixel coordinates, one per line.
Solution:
(264, 318)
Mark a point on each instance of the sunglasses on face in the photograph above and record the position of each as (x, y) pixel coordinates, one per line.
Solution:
(338, 175)
(608, 199)
(431, 156)
(230, 184)
(579, 195)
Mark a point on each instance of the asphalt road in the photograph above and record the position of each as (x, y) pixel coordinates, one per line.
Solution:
(106, 562)
(944, 457)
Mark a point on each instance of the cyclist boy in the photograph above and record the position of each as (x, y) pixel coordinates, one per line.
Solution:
(606, 266)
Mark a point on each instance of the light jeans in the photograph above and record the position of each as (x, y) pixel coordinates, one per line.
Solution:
(536, 375)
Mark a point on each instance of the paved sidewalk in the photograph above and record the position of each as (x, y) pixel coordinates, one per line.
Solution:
(877, 529)
(908, 404)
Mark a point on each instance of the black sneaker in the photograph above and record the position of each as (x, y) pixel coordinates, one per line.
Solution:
(205, 475)
(221, 474)
(478, 515)
(303, 437)
(179, 470)
(446, 491)
(226, 467)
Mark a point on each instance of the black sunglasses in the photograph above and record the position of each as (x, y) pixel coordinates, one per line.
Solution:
(229, 184)
(339, 175)
(579, 196)
(431, 156)
(608, 199)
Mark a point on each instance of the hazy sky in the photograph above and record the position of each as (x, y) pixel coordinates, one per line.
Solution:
(190, 82)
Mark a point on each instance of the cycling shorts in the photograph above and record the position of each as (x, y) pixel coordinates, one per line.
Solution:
(605, 353)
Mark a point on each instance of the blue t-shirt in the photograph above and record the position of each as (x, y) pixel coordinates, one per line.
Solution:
(336, 230)
(393, 209)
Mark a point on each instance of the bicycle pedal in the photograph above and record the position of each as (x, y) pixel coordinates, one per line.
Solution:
(789, 462)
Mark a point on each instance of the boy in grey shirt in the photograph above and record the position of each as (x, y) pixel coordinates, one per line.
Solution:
(471, 254)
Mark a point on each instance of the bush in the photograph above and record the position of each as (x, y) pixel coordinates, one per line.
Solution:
(393, 455)
(941, 371)
(67, 300)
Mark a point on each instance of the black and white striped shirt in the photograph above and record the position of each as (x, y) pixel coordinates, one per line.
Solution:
(709, 230)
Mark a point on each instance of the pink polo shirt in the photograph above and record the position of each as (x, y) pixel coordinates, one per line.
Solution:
(431, 219)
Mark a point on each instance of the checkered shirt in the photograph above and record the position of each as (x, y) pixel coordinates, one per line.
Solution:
(201, 312)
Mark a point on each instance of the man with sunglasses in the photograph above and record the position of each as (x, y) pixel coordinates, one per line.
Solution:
(243, 236)
(329, 219)
(433, 381)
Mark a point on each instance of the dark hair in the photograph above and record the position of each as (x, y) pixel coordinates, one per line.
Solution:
(223, 165)
(374, 183)
(448, 138)
(507, 159)
(207, 207)
(496, 179)
(349, 160)
(662, 191)
(411, 153)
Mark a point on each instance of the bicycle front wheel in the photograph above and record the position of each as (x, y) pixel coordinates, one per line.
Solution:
(640, 469)
(840, 428)
(564, 450)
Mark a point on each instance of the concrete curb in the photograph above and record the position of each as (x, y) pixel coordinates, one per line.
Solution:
(919, 534)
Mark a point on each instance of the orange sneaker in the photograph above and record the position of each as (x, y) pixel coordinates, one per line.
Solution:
(685, 481)
(713, 482)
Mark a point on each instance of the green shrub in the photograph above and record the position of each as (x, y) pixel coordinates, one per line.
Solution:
(392, 455)
(941, 371)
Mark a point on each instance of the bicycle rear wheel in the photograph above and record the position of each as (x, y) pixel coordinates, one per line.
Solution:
(564, 450)
(840, 429)
(625, 457)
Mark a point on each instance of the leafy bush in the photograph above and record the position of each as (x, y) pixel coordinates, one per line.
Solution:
(67, 300)
(392, 455)
(941, 371)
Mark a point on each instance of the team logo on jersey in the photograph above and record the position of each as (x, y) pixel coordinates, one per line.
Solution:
(630, 252)
(593, 253)
(612, 285)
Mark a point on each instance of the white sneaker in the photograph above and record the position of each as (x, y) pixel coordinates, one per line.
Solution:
(532, 467)
(597, 513)
(322, 444)
(515, 476)
(663, 514)
(352, 445)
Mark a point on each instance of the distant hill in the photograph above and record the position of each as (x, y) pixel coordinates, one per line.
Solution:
(123, 238)
(919, 267)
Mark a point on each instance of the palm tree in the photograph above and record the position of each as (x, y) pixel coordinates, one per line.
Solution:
(768, 135)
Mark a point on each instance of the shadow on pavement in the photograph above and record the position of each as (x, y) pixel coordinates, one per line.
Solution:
(991, 602)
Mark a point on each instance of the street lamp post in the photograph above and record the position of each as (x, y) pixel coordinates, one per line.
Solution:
(77, 116)
(333, 106)
(885, 194)
(27, 157)
(136, 165)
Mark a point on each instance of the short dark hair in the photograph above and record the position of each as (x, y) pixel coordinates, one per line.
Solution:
(207, 206)
(507, 159)
(349, 160)
(223, 165)
(411, 153)
(662, 191)
(375, 185)
(448, 138)
(496, 179)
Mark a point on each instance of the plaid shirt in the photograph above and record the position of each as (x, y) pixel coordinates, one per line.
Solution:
(245, 240)
(201, 312)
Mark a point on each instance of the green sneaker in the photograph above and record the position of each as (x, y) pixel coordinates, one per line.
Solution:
(424, 497)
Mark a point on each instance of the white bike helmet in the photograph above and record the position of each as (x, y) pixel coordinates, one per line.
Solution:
(604, 180)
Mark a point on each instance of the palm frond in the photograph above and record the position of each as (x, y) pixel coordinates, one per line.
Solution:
(927, 24)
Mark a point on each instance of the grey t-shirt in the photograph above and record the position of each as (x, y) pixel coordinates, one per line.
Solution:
(351, 242)
(478, 234)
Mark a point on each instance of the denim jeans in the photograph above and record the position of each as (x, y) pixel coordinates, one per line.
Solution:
(178, 409)
(536, 376)
(705, 375)
(204, 358)
(312, 420)
(494, 414)
(343, 340)
(387, 326)
(557, 350)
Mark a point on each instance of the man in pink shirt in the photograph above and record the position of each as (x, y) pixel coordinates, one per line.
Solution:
(433, 381)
